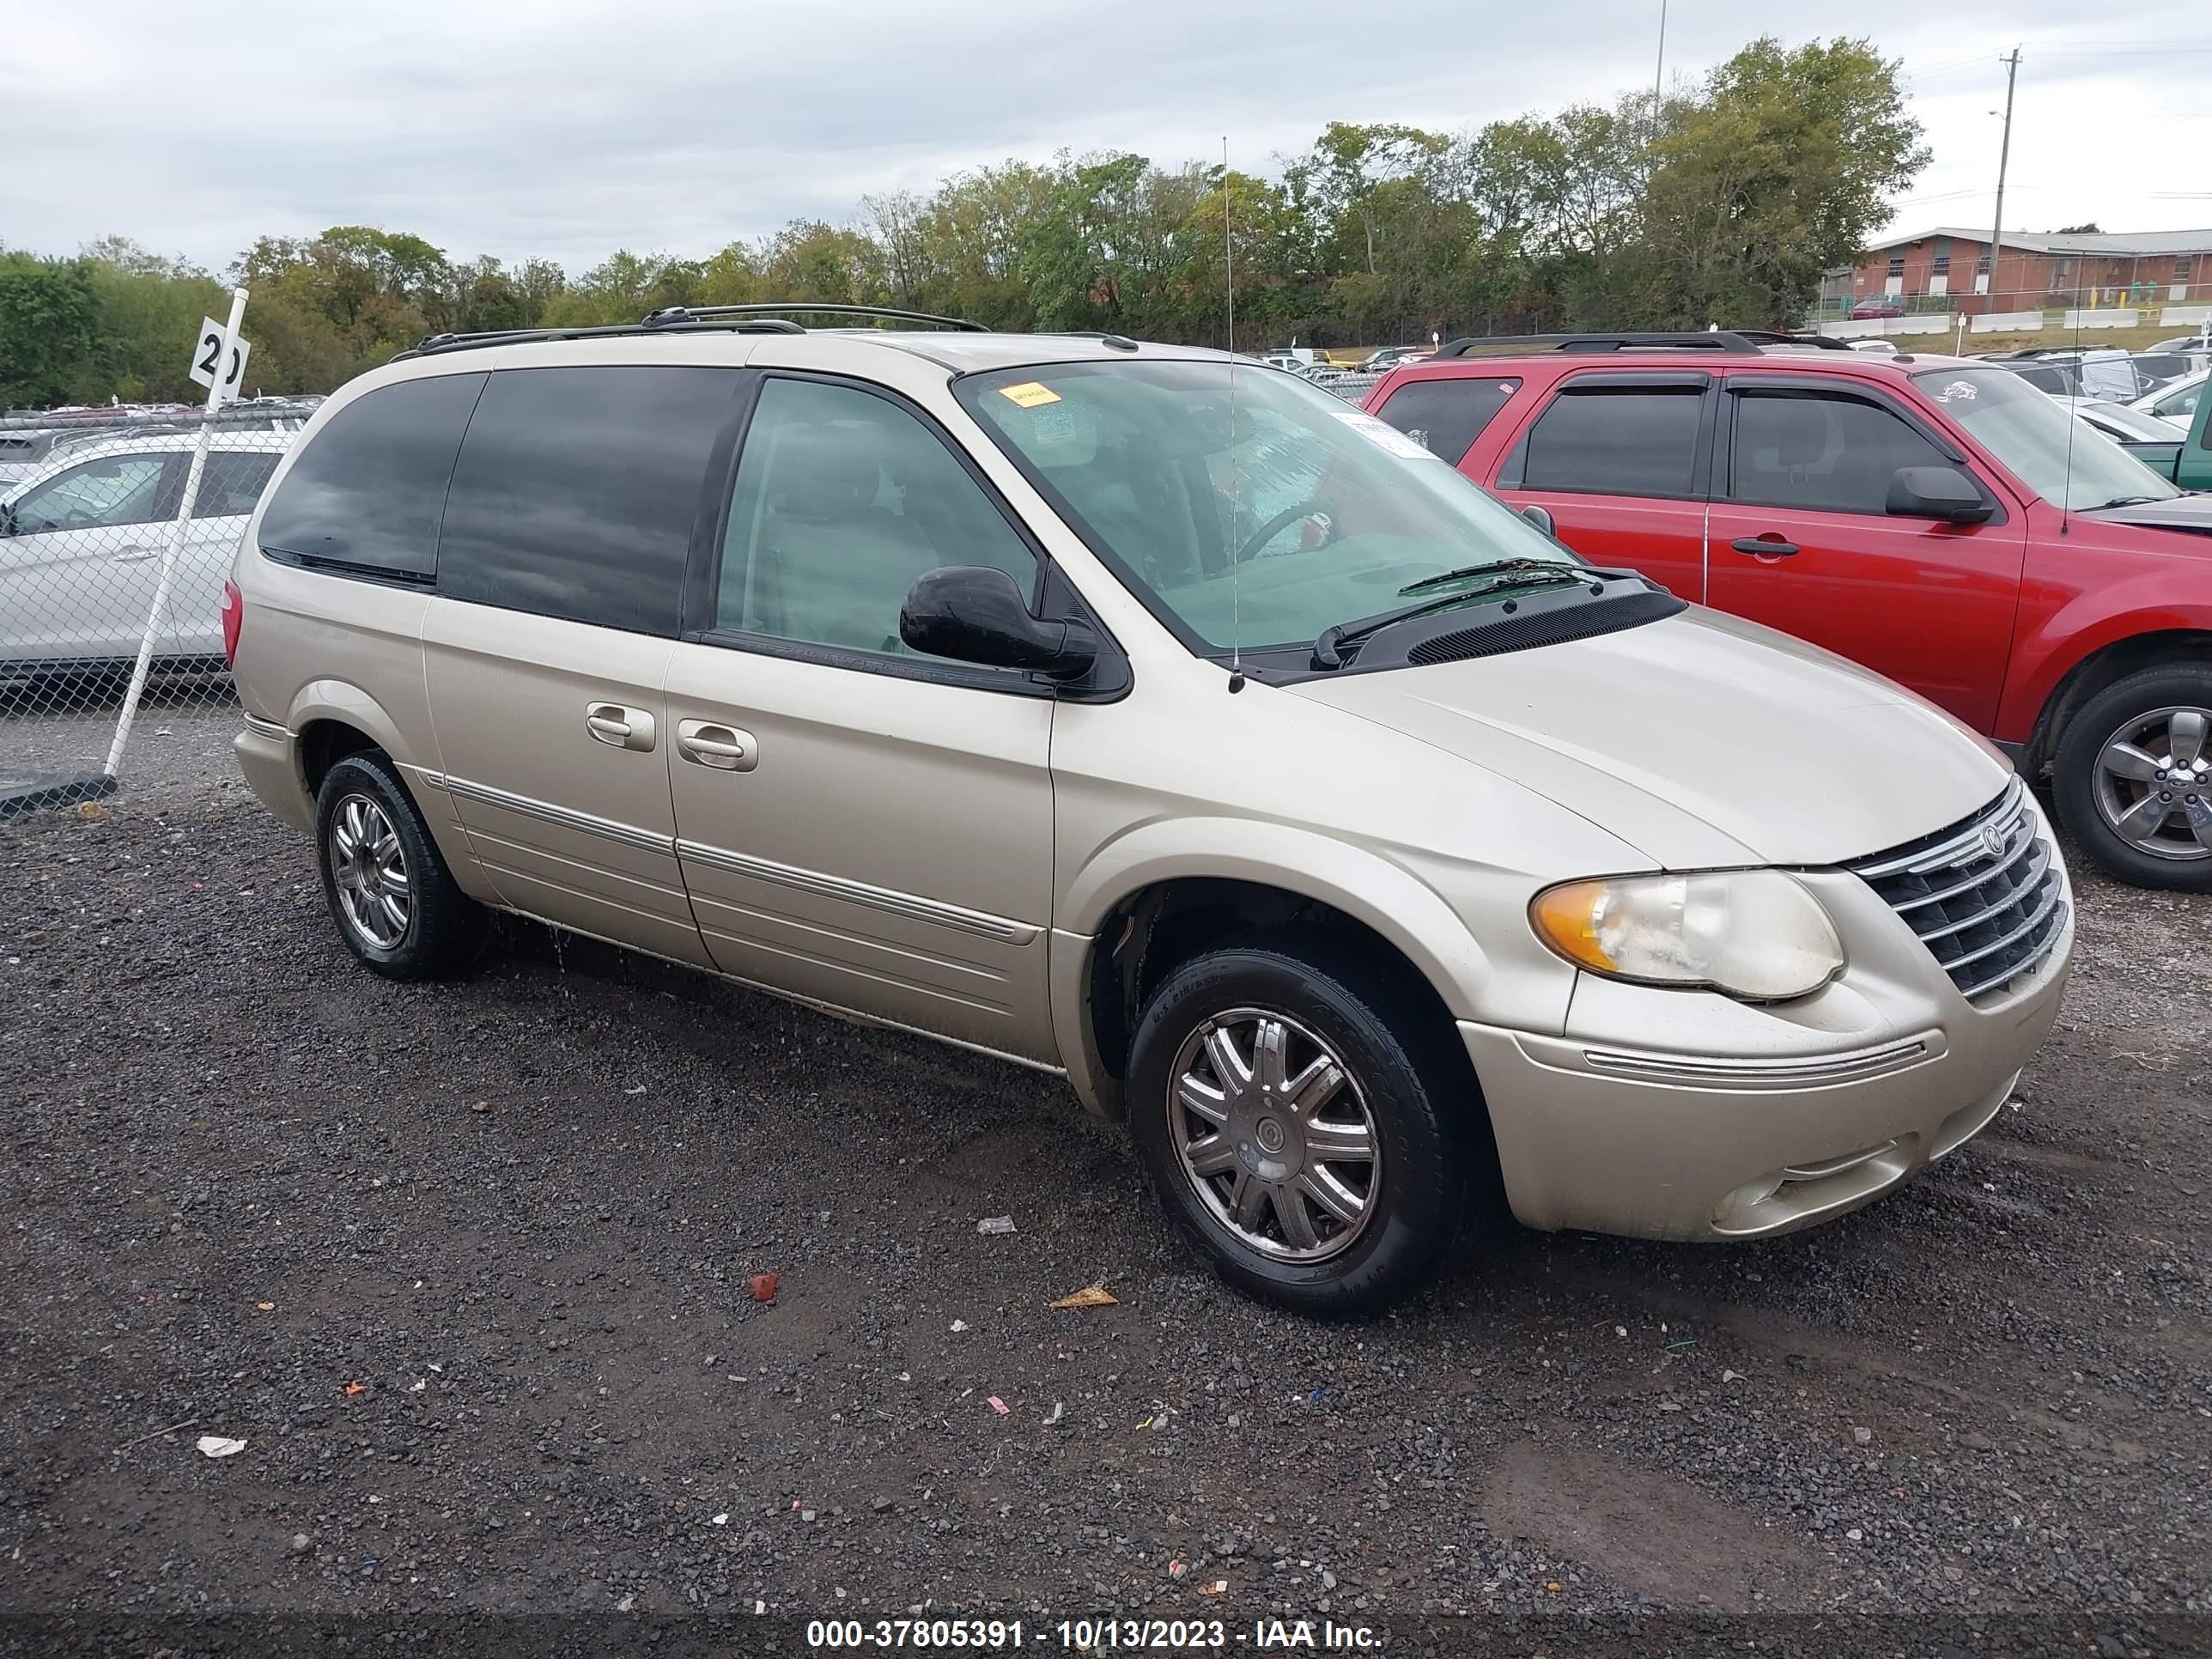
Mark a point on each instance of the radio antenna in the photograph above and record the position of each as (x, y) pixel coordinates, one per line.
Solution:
(2073, 416)
(1236, 475)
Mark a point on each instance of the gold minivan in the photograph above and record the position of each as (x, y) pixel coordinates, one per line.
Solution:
(1156, 720)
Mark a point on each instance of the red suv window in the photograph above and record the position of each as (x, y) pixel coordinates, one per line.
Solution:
(1446, 416)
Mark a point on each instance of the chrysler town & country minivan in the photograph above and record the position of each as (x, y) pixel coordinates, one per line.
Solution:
(1160, 723)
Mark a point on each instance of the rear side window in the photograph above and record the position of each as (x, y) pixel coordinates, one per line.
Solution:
(1807, 449)
(1601, 440)
(233, 483)
(1446, 416)
(577, 488)
(367, 493)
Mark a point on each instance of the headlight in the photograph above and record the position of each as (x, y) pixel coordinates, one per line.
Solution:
(1753, 933)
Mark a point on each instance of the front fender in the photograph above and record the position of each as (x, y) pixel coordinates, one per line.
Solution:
(1436, 937)
(2046, 654)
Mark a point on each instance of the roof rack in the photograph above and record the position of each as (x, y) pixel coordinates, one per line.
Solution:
(760, 317)
(1740, 339)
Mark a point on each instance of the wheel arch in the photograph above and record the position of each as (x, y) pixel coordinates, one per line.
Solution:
(2105, 666)
(1132, 921)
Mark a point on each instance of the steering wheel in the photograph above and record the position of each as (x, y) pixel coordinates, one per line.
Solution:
(1275, 526)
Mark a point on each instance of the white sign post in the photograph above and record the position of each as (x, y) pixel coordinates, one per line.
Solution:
(216, 348)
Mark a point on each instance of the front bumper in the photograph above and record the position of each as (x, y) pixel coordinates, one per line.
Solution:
(1681, 1115)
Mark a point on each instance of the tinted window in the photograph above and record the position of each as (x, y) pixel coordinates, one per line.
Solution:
(233, 483)
(577, 488)
(1446, 416)
(369, 488)
(1810, 450)
(1639, 442)
(99, 495)
(841, 500)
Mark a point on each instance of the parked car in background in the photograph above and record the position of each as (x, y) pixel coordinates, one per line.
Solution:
(2176, 402)
(24, 452)
(1878, 305)
(895, 671)
(2156, 370)
(82, 547)
(1391, 356)
(1934, 518)
(2149, 440)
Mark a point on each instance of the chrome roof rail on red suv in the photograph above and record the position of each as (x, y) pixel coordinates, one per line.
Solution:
(1726, 339)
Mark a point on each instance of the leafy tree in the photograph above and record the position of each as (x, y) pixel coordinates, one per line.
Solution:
(49, 326)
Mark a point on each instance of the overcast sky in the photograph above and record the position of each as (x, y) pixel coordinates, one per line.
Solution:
(565, 128)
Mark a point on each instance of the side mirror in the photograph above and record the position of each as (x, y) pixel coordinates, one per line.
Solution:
(1942, 493)
(975, 613)
(1541, 518)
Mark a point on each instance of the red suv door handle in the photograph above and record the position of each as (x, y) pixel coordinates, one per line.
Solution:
(1762, 547)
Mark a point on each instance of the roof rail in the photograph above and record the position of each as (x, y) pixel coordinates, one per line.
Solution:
(1748, 339)
(810, 308)
(755, 319)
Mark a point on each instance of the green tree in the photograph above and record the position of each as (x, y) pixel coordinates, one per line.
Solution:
(49, 327)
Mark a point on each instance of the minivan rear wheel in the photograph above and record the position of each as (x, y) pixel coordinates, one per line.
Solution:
(1315, 1151)
(2133, 777)
(396, 905)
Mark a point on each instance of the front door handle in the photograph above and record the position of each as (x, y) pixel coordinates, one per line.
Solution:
(723, 748)
(133, 555)
(1762, 547)
(618, 726)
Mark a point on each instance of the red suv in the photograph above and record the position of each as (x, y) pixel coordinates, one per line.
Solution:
(1932, 517)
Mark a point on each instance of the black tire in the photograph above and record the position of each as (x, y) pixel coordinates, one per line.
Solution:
(1428, 1124)
(2078, 786)
(443, 926)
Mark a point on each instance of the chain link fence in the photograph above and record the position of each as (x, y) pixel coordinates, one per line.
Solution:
(117, 529)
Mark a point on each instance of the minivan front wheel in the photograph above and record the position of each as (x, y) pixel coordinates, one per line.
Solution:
(396, 904)
(1314, 1149)
(2134, 777)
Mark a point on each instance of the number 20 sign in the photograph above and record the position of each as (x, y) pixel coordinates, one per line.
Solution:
(207, 359)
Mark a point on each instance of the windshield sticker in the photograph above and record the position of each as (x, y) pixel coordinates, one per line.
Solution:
(1383, 433)
(1029, 394)
(1963, 390)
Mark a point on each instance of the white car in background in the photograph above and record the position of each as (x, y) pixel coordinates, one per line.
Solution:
(2174, 403)
(81, 545)
(2120, 422)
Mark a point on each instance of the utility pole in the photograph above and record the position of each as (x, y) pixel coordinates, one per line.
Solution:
(2004, 156)
(1659, 72)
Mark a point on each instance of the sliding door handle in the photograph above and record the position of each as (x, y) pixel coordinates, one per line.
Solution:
(721, 748)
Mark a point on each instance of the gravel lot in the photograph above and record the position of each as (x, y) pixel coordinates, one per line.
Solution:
(465, 1266)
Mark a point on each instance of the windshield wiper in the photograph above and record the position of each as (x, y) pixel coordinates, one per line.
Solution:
(1328, 647)
(1495, 567)
(2122, 500)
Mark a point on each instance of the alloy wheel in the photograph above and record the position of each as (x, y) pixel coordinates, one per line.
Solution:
(1272, 1129)
(369, 866)
(2154, 782)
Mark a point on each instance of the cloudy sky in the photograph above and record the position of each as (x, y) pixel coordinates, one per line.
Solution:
(565, 128)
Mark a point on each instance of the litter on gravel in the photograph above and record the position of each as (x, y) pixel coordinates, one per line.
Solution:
(217, 1445)
(1090, 1296)
(995, 1226)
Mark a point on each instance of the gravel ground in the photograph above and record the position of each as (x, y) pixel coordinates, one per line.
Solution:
(465, 1267)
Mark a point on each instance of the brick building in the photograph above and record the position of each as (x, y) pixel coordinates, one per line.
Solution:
(2161, 267)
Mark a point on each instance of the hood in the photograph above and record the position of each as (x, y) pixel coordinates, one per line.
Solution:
(1701, 740)
(2186, 513)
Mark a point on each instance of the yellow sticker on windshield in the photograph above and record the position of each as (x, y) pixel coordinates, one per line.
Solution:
(1029, 394)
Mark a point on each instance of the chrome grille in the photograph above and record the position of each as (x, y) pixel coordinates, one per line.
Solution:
(1984, 895)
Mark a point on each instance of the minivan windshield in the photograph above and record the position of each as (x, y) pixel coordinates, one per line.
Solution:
(2062, 458)
(1254, 517)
